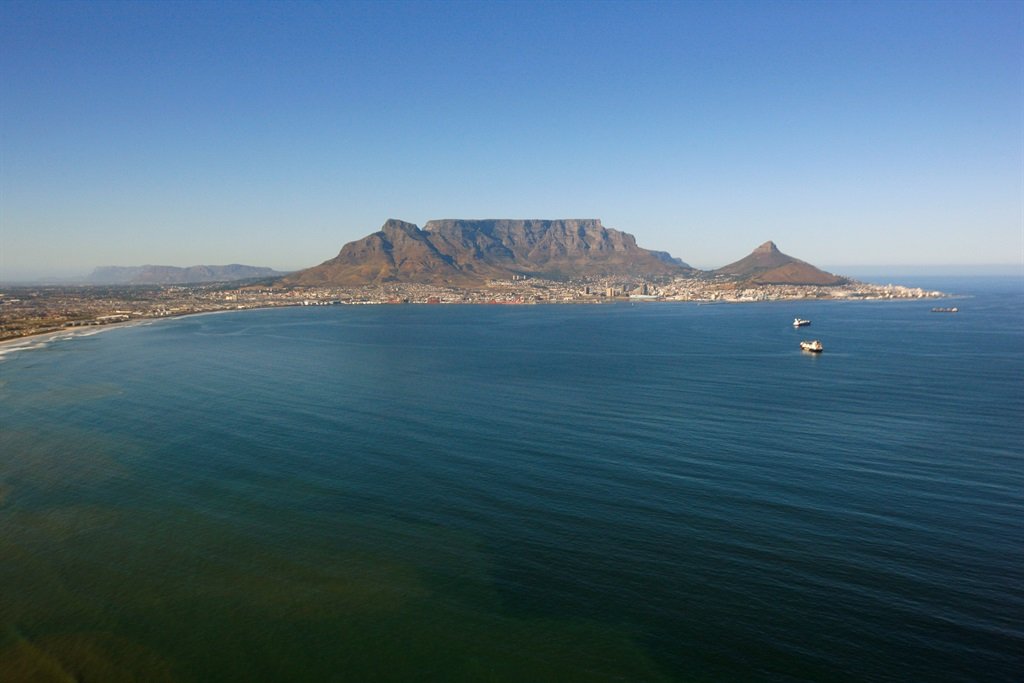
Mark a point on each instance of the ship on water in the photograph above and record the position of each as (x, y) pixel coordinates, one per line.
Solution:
(812, 346)
(800, 322)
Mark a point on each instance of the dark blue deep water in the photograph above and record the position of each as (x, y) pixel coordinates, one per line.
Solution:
(660, 492)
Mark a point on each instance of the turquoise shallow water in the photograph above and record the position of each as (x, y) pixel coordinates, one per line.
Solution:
(655, 492)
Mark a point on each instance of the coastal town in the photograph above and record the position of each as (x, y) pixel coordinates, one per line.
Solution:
(32, 310)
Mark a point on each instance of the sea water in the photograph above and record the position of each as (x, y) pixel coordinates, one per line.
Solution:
(658, 492)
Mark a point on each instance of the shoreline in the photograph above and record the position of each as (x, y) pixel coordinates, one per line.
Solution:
(39, 339)
(27, 342)
(48, 313)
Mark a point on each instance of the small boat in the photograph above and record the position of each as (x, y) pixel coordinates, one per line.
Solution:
(800, 322)
(812, 346)
(945, 310)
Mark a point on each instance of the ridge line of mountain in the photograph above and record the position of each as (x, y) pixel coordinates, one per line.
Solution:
(177, 275)
(471, 251)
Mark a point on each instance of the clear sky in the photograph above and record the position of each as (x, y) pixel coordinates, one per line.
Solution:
(270, 134)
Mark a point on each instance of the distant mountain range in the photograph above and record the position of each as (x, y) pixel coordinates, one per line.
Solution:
(468, 252)
(172, 275)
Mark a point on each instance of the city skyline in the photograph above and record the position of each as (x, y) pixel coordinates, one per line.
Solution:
(861, 134)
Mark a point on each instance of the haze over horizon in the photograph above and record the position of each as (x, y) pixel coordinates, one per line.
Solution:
(270, 134)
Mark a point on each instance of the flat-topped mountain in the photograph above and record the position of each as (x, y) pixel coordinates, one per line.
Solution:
(461, 252)
(469, 252)
(766, 265)
(173, 275)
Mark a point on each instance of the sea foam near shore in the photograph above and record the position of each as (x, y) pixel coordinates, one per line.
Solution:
(41, 341)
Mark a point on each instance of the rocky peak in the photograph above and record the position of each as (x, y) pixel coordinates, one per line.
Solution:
(393, 225)
(768, 265)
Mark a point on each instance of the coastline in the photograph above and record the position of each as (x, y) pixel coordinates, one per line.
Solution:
(756, 295)
(50, 312)
(35, 340)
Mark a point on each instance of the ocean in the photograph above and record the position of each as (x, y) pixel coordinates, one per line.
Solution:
(652, 492)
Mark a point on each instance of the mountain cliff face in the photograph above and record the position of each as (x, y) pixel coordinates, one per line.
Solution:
(766, 265)
(472, 251)
(173, 275)
(399, 251)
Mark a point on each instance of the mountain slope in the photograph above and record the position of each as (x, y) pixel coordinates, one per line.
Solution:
(766, 265)
(398, 252)
(455, 251)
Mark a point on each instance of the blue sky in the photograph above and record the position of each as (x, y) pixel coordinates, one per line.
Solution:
(271, 134)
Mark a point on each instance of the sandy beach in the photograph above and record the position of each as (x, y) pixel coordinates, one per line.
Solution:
(38, 341)
(42, 339)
